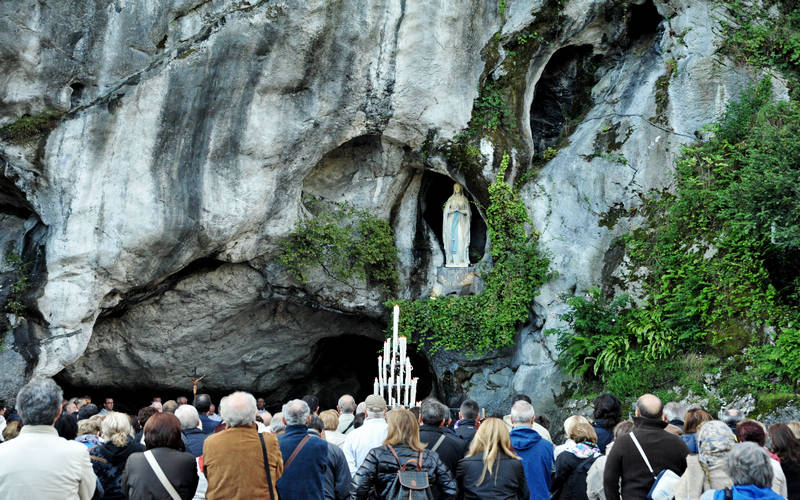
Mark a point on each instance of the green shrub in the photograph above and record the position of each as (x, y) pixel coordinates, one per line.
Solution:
(29, 127)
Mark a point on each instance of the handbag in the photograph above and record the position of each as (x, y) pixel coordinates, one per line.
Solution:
(664, 483)
(409, 484)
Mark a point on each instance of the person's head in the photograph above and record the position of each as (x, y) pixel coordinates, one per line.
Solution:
(39, 401)
(181, 400)
(358, 420)
(163, 430)
(265, 417)
(694, 418)
(88, 426)
(156, 399)
(583, 432)
(296, 412)
(260, 403)
(87, 411)
(316, 423)
(674, 411)
(312, 402)
(108, 404)
(70, 408)
(542, 420)
(277, 424)
(11, 431)
(521, 397)
(144, 414)
(492, 439)
(158, 406)
(346, 405)
(202, 402)
(211, 410)
(622, 428)
(522, 413)
(375, 406)
(431, 412)
(570, 422)
(607, 407)
(67, 426)
(649, 406)
(748, 463)
(188, 417)
(331, 419)
(238, 409)
(794, 425)
(751, 431)
(170, 406)
(116, 428)
(731, 416)
(403, 429)
(784, 444)
(469, 409)
(714, 441)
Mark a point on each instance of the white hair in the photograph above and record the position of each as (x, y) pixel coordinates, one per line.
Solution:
(238, 409)
(188, 416)
(276, 424)
(347, 404)
(674, 411)
(296, 412)
(522, 412)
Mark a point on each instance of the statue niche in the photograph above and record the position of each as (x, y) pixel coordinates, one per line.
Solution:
(456, 229)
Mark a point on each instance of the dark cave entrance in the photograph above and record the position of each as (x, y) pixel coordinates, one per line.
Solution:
(644, 21)
(435, 190)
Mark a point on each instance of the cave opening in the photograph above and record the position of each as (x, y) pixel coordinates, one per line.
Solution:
(644, 21)
(562, 96)
(435, 190)
(77, 94)
(783, 267)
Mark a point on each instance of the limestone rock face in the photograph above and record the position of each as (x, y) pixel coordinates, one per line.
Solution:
(192, 130)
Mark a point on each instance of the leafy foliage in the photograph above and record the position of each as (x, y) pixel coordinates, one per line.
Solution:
(476, 324)
(345, 242)
(29, 127)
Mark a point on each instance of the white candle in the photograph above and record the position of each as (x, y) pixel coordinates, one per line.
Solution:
(375, 386)
(403, 348)
(408, 370)
(407, 393)
(414, 390)
(391, 372)
(380, 370)
(395, 327)
(399, 400)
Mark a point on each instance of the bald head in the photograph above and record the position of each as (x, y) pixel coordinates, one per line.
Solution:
(346, 404)
(649, 406)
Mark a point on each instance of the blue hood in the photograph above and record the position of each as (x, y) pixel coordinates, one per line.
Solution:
(524, 438)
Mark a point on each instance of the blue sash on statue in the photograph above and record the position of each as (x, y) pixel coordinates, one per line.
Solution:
(454, 234)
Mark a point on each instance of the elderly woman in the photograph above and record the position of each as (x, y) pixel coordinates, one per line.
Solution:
(749, 466)
(89, 432)
(379, 470)
(162, 436)
(706, 470)
(569, 423)
(572, 466)
(108, 459)
(752, 431)
(692, 421)
(331, 420)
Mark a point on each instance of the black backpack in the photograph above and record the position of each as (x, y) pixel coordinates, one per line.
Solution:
(410, 484)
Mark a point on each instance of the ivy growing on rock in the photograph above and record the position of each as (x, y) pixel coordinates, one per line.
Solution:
(476, 324)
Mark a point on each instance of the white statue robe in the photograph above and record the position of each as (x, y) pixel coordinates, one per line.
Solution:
(455, 231)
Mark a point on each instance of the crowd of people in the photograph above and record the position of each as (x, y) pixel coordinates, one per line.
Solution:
(54, 448)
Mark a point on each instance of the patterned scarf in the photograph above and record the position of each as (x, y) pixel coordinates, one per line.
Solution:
(585, 449)
(715, 439)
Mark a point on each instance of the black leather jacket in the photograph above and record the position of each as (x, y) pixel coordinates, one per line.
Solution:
(380, 469)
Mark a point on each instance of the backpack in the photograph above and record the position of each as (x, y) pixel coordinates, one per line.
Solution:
(409, 484)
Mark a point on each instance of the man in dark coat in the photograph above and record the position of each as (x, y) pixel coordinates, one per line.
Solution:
(193, 435)
(467, 425)
(663, 451)
(203, 404)
(449, 448)
(337, 475)
(305, 458)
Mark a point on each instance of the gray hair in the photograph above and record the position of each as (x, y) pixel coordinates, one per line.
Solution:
(346, 404)
(276, 424)
(674, 411)
(188, 416)
(432, 412)
(748, 463)
(731, 416)
(296, 412)
(238, 409)
(374, 414)
(39, 400)
(522, 412)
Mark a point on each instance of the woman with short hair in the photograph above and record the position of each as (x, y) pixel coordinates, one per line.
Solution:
(379, 469)
(162, 437)
(749, 467)
(331, 420)
(108, 459)
(572, 466)
(491, 469)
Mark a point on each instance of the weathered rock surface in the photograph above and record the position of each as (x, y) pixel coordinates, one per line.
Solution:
(193, 129)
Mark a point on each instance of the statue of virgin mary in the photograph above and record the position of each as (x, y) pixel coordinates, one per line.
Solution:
(455, 229)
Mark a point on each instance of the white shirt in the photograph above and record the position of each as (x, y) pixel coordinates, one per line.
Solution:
(360, 441)
(38, 464)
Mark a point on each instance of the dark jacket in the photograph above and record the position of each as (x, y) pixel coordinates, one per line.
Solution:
(193, 440)
(663, 450)
(507, 481)
(139, 482)
(792, 473)
(380, 469)
(569, 478)
(108, 462)
(208, 424)
(450, 451)
(304, 478)
(605, 433)
(537, 460)
(337, 476)
(466, 430)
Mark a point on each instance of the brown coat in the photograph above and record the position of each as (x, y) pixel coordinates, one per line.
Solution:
(234, 464)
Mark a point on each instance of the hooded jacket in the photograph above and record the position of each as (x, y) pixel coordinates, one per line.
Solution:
(108, 462)
(537, 460)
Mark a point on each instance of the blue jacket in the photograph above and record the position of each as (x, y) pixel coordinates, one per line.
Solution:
(208, 424)
(691, 441)
(305, 476)
(604, 434)
(537, 460)
(193, 440)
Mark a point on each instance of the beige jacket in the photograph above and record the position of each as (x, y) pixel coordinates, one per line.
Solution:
(698, 478)
(38, 464)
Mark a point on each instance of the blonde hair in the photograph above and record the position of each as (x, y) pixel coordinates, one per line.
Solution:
(492, 438)
(116, 428)
(581, 433)
(570, 422)
(794, 425)
(331, 419)
(88, 426)
(403, 429)
(12, 430)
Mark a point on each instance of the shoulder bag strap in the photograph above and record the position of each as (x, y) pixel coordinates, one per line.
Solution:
(641, 452)
(438, 443)
(148, 455)
(419, 462)
(395, 455)
(295, 452)
(266, 465)
(348, 427)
